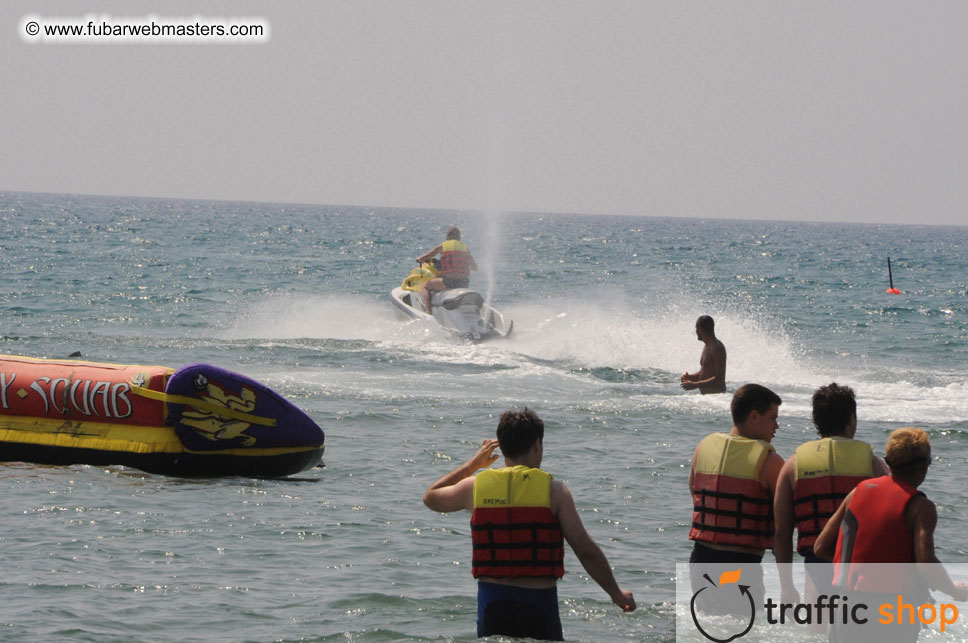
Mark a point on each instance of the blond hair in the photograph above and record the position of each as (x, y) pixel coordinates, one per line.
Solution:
(906, 448)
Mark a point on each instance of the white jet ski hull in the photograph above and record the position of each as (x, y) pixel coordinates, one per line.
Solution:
(459, 311)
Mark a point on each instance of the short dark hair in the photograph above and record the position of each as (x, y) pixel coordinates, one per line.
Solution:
(706, 324)
(517, 431)
(453, 233)
(833, 407)
(749, 398)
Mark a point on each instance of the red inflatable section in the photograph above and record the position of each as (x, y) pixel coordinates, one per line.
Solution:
(81, 391)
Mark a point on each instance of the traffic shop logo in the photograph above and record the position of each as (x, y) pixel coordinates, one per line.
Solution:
(728, 597)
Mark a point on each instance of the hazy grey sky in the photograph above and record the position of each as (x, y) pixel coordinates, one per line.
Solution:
(845, 111)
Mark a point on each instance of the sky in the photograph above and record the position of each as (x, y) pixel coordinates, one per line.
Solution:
(822, 110)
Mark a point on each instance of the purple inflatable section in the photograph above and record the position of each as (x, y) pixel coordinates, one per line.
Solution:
(214, 409)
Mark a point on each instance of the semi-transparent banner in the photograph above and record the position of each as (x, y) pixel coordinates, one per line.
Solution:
(799, 602)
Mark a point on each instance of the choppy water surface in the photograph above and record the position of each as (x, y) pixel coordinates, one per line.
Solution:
(297, 297)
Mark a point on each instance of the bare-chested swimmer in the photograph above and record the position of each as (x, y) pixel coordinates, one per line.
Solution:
(711, 377)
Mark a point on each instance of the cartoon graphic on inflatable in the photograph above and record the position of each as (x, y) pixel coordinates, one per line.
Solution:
(215, 426)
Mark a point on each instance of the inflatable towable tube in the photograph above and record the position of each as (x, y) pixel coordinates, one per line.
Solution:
(199, 420)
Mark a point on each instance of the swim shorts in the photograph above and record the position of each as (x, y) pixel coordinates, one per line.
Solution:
(821, 572)
(456, 282)
(518, 611)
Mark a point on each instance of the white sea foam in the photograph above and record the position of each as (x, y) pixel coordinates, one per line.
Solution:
(554, 338)
(612, 335)
(295, 316)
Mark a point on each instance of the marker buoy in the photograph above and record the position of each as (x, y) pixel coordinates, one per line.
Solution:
(892, 290)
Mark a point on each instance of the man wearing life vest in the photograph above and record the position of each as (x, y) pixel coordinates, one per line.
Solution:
(887, 520)
(456, 264)
(732, 479)
(521, 518)
(812, 484)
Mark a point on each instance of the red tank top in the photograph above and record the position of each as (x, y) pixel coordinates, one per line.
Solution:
(874, 531)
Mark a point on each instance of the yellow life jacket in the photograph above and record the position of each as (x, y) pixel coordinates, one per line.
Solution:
(827, 470)
(730, 504)
(513, 530)
(454, 259)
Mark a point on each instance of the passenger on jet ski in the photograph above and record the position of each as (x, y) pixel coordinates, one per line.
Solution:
(456, 264)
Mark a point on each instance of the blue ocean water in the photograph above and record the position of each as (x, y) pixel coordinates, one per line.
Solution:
(297, 297)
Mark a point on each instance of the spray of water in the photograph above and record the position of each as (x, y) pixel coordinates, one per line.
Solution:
(492, 228)
(604, 332)
(555, 338)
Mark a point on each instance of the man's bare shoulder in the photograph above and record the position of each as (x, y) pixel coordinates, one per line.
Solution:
(714, 349)
(559, 494)
(922, 508)
(564, 510)
(452, 497)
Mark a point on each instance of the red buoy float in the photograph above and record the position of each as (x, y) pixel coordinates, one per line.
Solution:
(892, 290)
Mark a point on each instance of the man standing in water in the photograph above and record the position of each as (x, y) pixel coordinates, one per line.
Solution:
(813, 483)
(886, 520)
(456, 264)
(521, 516)
(711, 376)
(732, 480)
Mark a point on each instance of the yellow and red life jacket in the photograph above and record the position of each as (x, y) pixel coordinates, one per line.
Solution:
(513, 530)
(730, 504)
(455, 260)
(874, 531)
(827, 470)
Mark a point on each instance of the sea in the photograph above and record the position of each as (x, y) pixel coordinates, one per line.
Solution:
(297, 297)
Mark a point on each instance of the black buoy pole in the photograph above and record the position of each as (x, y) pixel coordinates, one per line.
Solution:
(890, 275)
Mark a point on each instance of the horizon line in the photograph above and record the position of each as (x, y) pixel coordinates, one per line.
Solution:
(484, 210)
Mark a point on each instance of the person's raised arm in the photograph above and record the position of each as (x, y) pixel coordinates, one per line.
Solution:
(455, 491)
(825, 546)
(783, 530)
(589, 553)
(426, 257)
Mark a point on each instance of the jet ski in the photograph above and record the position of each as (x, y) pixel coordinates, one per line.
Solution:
(459, 311)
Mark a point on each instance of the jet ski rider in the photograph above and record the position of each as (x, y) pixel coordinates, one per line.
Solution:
(456, 264)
